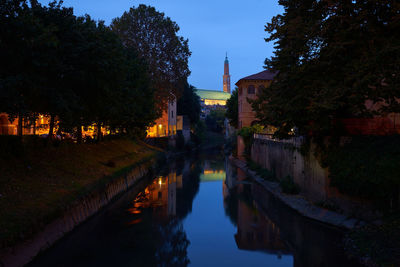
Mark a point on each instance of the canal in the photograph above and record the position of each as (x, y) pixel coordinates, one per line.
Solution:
(199, 211)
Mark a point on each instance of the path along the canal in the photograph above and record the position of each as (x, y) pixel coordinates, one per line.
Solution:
(203, 212)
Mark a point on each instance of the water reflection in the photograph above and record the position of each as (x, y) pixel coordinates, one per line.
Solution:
(255, 231)
(202, 212)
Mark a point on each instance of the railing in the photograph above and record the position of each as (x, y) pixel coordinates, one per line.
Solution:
(295, 141)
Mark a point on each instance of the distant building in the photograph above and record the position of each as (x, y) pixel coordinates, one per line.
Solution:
(212, 99)
(248, 88)
(167, 124)
(226, 77)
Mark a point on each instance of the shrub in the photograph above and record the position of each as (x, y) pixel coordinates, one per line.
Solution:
(367, 167)
(247, 134)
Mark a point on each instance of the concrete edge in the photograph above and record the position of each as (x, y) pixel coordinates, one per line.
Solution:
(299, 203)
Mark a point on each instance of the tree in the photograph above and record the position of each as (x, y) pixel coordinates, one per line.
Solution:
(232, 107)
(155, 38)
(189, 104)
(18, 32)
(215, 120)
(73, 69)
(332, 56)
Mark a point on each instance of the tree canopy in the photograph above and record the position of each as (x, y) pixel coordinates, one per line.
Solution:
(70, 68)
(232, 108)
(155, 38)
(332, 56)
(189, 104)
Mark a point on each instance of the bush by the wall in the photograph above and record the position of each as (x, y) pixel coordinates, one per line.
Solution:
(366, 167)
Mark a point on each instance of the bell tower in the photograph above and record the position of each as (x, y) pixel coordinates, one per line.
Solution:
(227, 77)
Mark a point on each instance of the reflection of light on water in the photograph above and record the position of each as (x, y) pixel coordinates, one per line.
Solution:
(134, 211)
(210, 175)
(135, 221)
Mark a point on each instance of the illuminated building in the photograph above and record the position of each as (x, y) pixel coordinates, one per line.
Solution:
(212, 99)
(167, 124)
(40, 126)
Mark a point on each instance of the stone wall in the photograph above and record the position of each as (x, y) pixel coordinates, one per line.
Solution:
(75, 215)
(283, 157)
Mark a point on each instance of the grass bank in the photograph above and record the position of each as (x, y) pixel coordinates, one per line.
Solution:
(39, 182)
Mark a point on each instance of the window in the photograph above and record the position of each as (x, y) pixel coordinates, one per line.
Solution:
(251, 90)
(172, 114)
(240, 91)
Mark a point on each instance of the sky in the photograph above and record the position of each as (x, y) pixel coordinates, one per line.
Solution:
(213, 28)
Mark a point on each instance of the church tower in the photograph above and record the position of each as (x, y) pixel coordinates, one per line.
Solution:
(227, 77)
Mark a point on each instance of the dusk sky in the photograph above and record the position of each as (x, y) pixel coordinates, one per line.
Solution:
(213, 27)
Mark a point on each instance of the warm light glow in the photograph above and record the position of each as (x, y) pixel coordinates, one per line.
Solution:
(135, 221)
(210, 102)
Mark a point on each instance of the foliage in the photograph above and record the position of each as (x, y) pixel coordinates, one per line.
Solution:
(215, 120)
(189, 104)
(199, 132)
(332, 56)
(378, 243)
(260, 171)
(70, 68)
(232, 109)
(247, 134)
(155, 38)
(366, 167)
(289, 186)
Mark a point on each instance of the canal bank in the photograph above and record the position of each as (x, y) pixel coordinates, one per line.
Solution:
(72, 183)
(300, 204)
(201, 211)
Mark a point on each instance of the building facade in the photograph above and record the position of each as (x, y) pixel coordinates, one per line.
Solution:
(248, 88)
(166, 125)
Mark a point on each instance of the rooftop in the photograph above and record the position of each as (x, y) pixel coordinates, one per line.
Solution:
(212, 94)
(264, 75)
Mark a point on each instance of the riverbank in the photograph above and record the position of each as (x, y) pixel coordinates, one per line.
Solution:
(299, 203)
(40, 186)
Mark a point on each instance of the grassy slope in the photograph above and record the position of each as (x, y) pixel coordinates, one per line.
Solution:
(35, 188)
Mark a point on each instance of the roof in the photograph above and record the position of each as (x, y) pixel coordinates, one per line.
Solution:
(212, 94)
(264, 75)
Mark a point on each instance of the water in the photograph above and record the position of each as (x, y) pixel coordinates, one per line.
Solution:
(201, 212)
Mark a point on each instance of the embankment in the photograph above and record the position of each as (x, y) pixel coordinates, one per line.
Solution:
(47, 191)
(299, 203)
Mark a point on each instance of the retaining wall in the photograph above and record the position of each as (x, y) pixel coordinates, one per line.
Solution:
(284, 158)
(78, 213)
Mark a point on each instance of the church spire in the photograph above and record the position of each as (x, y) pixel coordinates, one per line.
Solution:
(226, 77)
